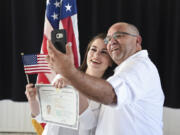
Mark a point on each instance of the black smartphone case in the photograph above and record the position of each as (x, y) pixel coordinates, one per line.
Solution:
(58, 38)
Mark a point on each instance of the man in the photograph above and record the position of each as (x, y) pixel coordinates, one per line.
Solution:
(132, 97)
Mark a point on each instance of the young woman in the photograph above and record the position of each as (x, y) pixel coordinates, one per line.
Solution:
(97, 63)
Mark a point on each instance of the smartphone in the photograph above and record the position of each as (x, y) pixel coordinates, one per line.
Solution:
(58, 38)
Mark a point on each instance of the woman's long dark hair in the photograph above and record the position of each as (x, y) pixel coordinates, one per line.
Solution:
(109, 71)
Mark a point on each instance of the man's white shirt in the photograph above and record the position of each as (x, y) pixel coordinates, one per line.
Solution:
(140, 99)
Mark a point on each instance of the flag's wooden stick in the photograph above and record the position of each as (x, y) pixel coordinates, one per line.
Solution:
(27, 77)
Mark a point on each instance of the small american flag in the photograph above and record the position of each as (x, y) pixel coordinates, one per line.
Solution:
(35, 63)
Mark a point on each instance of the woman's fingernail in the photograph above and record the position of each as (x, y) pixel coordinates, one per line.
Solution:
(70, 44)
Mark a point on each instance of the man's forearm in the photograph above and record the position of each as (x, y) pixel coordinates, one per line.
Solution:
(94, 88)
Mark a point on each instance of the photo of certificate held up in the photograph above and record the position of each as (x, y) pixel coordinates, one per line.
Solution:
(59, 106)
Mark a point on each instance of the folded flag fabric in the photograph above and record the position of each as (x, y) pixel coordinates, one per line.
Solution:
(35, 63)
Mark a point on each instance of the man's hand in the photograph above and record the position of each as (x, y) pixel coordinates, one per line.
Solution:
(59, 62)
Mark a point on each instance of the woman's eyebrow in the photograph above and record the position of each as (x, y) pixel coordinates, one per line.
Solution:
(93, 46)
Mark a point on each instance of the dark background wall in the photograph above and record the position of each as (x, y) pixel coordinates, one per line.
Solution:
(21, 29)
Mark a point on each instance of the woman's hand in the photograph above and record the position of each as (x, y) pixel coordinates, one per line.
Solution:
(31, 92)
(60, 83)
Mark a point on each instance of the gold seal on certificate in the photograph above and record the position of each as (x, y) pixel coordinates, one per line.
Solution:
(59, 106)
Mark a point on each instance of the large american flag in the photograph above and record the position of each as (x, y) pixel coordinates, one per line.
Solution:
(60, 14)
(35, 63)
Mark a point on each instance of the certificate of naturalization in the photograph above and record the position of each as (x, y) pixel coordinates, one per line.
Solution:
(59, 106)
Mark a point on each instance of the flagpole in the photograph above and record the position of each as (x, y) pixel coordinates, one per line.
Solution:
(27, 77)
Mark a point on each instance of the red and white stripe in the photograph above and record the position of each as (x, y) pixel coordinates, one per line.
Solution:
(40, 67)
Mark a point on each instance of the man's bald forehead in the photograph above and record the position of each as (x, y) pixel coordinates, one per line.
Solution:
(130, 27)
